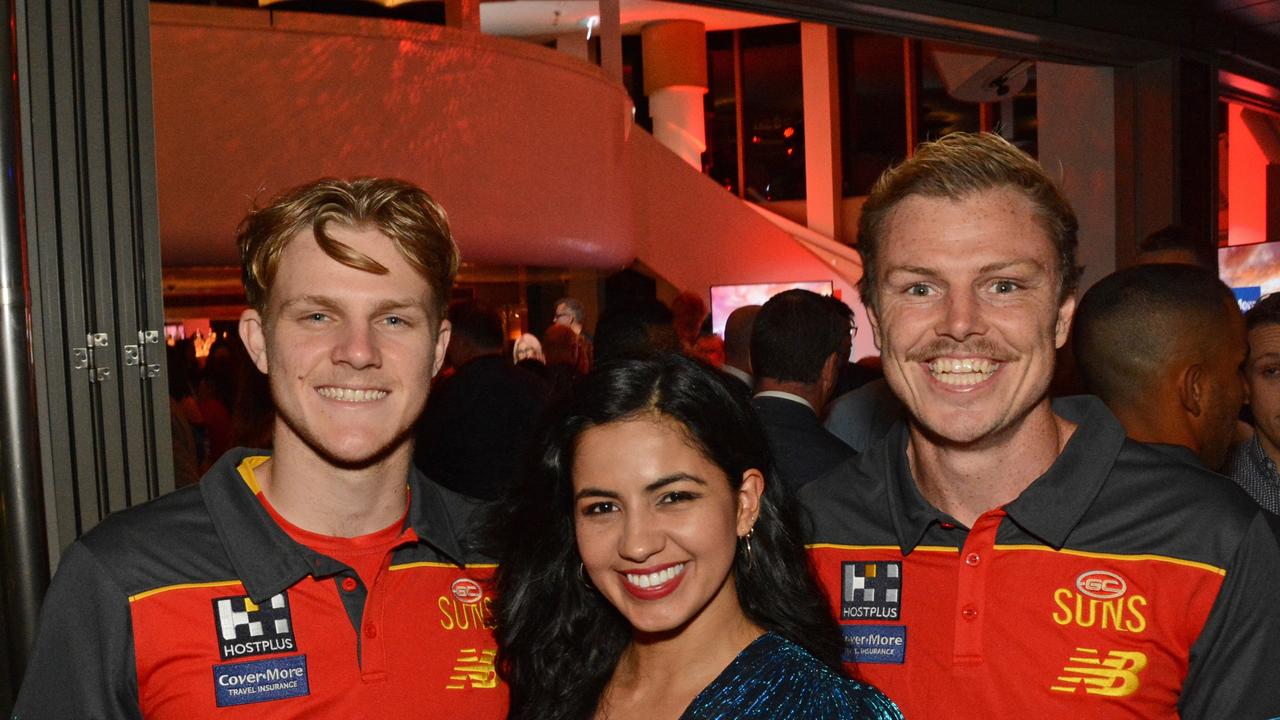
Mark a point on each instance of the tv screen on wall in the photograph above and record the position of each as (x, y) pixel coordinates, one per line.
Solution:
(727, 298)
(1251, 271)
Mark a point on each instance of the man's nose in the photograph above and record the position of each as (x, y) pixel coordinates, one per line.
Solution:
(356, 346)
(961, 316)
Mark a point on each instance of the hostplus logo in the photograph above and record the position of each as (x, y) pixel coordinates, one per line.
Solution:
(871, 590)
(246, 628)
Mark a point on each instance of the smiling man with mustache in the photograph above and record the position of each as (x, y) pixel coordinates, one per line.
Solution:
(999, 555)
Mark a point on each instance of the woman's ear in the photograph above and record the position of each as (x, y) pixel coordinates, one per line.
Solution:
(749, 500)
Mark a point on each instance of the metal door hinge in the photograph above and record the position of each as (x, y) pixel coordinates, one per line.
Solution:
(88, 357)
(142, 354)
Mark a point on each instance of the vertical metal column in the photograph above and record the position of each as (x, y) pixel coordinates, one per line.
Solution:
(911, 90)
(93, 258)
(26, 567)
(738, 114)
(81, 338)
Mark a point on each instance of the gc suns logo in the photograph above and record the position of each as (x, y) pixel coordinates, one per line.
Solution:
(466, 591)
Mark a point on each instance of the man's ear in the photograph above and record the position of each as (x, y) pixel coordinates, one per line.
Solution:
(254, 337)
(830, 373)
(1062, 328)
(1190, 388)
(442, 344)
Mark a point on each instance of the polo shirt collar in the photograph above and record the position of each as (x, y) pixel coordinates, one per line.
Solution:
(267, 561)
(1056, 502)
(1049, 509)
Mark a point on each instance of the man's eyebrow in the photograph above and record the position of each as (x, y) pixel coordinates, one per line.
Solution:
(913, 270)
(406, 303)
(326, 301)
(320, 300)
(1020, 263)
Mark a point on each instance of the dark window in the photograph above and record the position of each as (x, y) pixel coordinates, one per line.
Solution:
(1026, 128)
(633, 77)
(773, 113)
(722, 108)
(939, 113)
(873, 109)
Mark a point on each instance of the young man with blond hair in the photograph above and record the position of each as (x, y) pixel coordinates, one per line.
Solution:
(999, 555)
(328, 577)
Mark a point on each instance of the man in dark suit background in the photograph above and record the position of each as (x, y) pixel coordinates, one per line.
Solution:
(472, 435)
(737, 343)
(795, 344)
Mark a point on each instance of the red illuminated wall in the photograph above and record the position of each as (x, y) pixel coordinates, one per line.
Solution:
(1246, 182)
(532, 152)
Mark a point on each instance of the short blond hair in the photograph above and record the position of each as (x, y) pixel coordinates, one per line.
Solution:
(957, 166)
(406, 214)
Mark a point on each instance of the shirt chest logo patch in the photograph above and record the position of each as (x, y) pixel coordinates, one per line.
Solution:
(257, 681)
(1115, 674)
(1101, 599)
(246, 629)
(875, 643)
(871, 590)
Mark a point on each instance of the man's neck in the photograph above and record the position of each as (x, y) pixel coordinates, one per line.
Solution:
(810, 393)
(313, 494)
(965, 481)
(1271, 449)
(1158, 423)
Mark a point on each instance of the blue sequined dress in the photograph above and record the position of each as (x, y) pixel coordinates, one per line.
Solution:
(776, 679)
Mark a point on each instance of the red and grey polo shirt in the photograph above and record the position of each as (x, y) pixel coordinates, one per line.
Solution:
(199, 605)
(1122, 583)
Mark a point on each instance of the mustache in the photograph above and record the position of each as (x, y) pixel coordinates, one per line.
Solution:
(977, 347)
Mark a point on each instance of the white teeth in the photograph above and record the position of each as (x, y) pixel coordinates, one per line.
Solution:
(351, 394)
(655, 579)
(962, 371)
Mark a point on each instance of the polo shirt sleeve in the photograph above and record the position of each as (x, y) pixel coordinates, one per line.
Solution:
(1233, 662)
(82, 665)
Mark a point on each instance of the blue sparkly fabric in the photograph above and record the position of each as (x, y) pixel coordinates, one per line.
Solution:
(776, 679)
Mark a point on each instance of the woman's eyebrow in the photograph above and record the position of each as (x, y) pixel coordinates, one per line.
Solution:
(651, 487)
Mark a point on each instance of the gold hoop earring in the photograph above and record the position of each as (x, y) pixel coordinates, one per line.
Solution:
(746, 549)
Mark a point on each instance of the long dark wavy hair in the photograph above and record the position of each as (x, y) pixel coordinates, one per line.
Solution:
(558, 641)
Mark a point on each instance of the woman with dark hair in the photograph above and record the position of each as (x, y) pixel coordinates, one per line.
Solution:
(650, 569)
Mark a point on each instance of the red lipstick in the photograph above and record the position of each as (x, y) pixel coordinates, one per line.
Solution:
(653, 592)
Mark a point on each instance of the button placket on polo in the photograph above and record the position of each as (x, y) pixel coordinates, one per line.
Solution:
(374, 631)
(373, 666)
(972, 570)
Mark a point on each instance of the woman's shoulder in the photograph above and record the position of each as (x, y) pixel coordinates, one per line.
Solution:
(776, 678)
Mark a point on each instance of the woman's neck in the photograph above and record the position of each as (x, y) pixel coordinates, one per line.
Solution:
(664, 672)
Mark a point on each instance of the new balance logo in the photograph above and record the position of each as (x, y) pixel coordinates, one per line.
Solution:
(1115, 675)
(246, 628)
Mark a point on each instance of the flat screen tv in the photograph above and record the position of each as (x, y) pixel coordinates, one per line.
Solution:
(1251, 271)
(727, 298)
